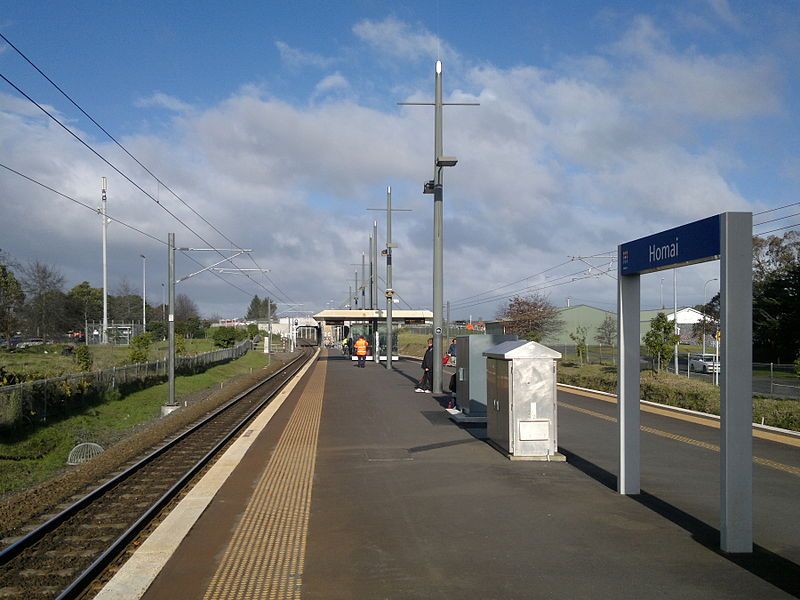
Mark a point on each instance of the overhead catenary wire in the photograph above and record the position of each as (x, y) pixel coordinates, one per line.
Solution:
(126, 177)
(138, 162)
(114, 219)
(769, 210)
(775, 220)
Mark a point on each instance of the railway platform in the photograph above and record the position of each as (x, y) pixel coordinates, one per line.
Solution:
(351, 485)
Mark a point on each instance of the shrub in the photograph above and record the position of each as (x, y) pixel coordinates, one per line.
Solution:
(140, 348)
(83, 357)
(224, 337)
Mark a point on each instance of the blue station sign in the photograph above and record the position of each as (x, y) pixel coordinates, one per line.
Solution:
(685, 245)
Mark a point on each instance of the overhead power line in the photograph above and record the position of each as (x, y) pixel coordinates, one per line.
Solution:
(763, 212)
(776, 219)
(114, 219)
(117, 170)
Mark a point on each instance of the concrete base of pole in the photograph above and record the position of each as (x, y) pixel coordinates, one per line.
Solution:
(166, 409)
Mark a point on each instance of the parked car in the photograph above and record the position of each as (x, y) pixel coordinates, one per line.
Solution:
(705, 363)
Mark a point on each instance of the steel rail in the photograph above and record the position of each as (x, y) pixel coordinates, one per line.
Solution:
(79, 584)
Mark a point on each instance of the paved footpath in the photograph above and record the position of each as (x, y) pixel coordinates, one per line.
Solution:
(360, 488)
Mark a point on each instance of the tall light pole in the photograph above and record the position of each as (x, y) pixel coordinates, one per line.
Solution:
(144, 293)
(388, 253)
(704, 311)
(435, 187)
(103, 216)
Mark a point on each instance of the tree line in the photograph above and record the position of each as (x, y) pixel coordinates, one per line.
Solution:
(34, 301)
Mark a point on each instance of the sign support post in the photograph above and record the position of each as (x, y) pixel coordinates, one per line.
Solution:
(728, 237)
(736, 385)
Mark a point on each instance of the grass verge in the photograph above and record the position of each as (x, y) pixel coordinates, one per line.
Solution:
(30, 457)
(674, 390)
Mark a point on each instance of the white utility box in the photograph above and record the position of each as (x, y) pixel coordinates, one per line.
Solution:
(521, 416)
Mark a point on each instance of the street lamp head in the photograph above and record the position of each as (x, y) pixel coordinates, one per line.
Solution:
(446, 161)
(438, 67)
(142, 256)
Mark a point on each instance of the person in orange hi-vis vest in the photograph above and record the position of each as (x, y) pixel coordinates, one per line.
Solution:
(360, 347)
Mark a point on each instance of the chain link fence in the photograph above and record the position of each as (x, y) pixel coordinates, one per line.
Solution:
(34, 401)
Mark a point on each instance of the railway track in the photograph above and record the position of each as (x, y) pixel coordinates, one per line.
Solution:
(60, 558)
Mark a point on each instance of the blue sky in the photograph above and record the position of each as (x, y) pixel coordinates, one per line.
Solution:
(599, 123)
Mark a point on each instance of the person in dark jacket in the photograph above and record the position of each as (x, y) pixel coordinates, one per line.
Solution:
(426, 383)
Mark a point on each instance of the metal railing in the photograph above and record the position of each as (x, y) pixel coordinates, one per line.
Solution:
(33, 401)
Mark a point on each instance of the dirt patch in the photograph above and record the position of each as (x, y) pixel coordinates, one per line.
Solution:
(53, 495)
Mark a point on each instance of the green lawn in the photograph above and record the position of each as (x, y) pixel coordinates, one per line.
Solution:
(39, 362)
(34, 455)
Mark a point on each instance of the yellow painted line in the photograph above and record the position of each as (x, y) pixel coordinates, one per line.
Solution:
(772, 436)
(266, 554)
(685, 440)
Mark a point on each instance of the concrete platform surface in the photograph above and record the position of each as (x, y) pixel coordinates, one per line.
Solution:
(361, 488)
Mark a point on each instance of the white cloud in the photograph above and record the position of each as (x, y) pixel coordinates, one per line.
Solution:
(723, 10)
(714, 87)
(296, 58)
(331, 83)
(400, 39)
(567, 161)
(162, 100)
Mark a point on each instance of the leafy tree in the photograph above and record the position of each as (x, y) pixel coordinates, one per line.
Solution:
(579, 337)
(252, 330)
(157, 329)
(12, 299)
(260, 307)
(139, 350)
(607, 334)
(185, 308)
(531, 317)
(660, 340)
(224, 337)
(710, 322)
(774, 253)
(125, 305)
(776, 315)
(84, 303)
(180, 345)
(191, 328)
(46, 302)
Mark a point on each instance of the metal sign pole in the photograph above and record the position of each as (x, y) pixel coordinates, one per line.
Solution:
(628, 308)
(736, 383)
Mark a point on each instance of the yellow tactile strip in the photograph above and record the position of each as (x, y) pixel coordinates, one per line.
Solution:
(686, 440)
(264, 559)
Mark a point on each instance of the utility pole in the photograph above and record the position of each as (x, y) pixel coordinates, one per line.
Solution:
(363, 281)
(171, 318)
(356, 296)
(436, 187)
(447, 318)
(371, 274)
(375, 262)
(388, 253)
(144, 293)
(103, 215)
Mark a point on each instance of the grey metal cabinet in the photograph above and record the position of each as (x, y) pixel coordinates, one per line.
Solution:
(521, 415)
(471, 371)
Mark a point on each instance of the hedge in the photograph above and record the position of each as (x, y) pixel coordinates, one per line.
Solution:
(683, 392)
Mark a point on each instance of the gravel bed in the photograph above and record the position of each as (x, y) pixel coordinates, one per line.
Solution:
(36, 504)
